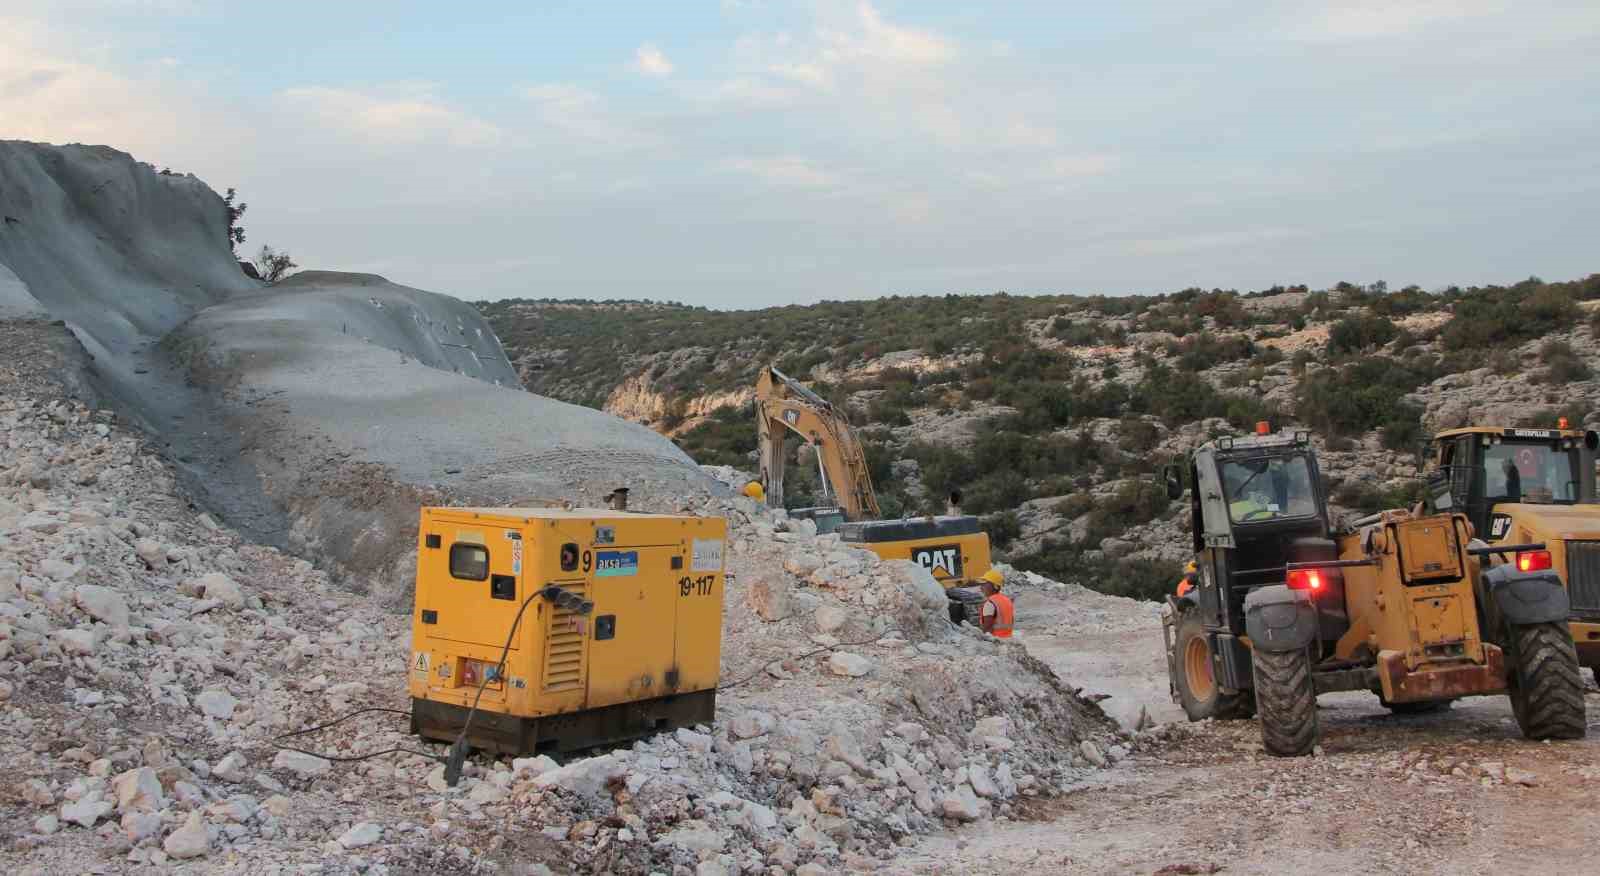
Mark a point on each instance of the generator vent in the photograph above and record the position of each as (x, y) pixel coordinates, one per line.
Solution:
(1583, 576)
(563, 645)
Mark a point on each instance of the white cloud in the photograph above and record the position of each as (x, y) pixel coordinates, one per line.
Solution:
(1377, 19)
(650, 61)
(390, 119)
(581, 114)
(790, 171)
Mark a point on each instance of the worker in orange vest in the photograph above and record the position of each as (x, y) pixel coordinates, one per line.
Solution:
(1191, 578)
(997, 615)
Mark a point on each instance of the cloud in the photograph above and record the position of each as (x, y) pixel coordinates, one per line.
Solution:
(650, 61)
(1378, 19)
(789, 171)
(390, 119)
(581, 115)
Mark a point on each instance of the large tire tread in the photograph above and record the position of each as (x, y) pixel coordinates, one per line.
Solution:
(1220, 706)
(1547, 687)
(1286, 700)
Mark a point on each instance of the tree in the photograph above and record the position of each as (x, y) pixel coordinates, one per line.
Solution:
(272, 265)
(235, 232)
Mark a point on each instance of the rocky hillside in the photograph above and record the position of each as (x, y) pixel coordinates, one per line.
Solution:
(1053, 411)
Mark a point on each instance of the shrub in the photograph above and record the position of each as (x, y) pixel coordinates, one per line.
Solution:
(1354, 334)
(1135, 578)
(1362, 396)
(273, 265)
(1496, 317)
(1369, 499)
(1135, 502)
(1562, 363)
(1003, 528)
(234, 230)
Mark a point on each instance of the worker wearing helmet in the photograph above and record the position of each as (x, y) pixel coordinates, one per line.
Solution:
(755, 491)
(1190, 579)
(997, 615)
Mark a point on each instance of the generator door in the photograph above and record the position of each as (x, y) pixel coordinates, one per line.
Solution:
(472, 584)
(634, 622)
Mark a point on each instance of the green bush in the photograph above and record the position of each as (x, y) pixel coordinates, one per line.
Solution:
(726, 437)
(1135, 502)
(1369, 499)
(1354, 334)
(1496, 317)
(1361, 396)
(1003, 528)
(1138, 579)
(1562, 363)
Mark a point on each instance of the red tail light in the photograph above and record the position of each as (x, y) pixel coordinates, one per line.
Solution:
(1533, 561)
(1263, 428)
(1305, 579)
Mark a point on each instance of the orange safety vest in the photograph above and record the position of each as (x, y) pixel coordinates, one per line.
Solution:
(1003, 616)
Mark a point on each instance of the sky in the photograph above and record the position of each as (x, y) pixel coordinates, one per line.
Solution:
(748, 153)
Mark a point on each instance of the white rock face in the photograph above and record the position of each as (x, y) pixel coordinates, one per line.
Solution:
(364, 834)
(586, 777)
(303, 765)
(103, 604)
(847, 664)
(217, 703)
(138, 791)
(215, 585)
(76, 642)
(751, 724)
(85, 811)
(189, 840)
(962, 804)
(231, 768)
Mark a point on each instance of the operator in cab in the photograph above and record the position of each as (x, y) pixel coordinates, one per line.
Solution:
(997, 615)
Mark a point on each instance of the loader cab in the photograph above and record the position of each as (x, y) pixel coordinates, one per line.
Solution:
(1477, 471)
(1257, 504)
(827, 518)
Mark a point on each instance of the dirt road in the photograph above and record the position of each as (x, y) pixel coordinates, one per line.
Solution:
(1458, 791)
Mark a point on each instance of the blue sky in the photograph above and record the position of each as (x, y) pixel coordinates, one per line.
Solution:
(745, 153)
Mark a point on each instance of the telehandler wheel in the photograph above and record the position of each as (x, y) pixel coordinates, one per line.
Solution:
(1286, 699)
(1546, 686)
(1198, 691)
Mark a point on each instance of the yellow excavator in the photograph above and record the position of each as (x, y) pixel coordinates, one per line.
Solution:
(953, 547)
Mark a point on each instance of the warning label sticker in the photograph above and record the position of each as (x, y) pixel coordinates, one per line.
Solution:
(420, 663)
(707, 555)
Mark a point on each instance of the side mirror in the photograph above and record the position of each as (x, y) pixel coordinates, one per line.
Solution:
(1174, 482)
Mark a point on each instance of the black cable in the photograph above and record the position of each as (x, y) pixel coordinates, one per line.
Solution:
(349, 758)
(458, 749)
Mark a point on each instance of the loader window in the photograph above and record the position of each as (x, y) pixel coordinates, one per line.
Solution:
(1263, 489)
(1536, 473)
(469, 562)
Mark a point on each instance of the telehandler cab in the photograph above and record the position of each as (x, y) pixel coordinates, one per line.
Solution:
(1287, 607)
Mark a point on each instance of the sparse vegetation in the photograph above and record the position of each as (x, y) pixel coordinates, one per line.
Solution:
(234, 230)
(273, 265)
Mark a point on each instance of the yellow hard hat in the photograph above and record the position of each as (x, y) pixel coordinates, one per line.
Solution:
(994, 577)
(755, 491)
(1191, 567)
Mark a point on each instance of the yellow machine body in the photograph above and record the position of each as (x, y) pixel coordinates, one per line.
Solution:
(954, 560)
(1415, 609)
(619, 635)
(1570, 532)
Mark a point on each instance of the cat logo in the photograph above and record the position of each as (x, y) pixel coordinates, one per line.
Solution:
(944, 560)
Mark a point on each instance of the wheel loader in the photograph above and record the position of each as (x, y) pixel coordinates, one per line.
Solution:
(1288, 606)
(1532, 485)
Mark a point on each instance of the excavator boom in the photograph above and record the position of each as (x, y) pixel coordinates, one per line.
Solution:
(782, 403)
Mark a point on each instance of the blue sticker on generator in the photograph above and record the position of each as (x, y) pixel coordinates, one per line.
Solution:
(616, 564)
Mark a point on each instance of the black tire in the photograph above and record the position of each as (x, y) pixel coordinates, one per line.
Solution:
(1201, 697)
(1286, 699)
(1546, 686)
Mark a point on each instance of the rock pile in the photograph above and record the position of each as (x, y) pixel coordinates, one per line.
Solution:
(149, 656)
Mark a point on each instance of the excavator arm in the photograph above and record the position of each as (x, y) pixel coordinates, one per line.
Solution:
(783, 404)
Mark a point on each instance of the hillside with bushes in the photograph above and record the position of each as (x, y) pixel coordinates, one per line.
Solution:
(1052, 413)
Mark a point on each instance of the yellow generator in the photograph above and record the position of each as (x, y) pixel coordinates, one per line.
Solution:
(610, 624)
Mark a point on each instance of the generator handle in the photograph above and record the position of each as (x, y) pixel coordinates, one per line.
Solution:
(1505, 549)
